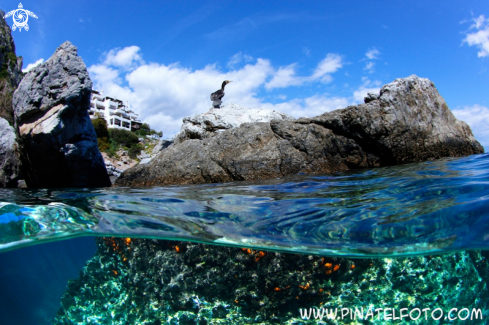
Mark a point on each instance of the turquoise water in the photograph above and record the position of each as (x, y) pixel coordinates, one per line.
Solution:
(400, 226)
(423, 208)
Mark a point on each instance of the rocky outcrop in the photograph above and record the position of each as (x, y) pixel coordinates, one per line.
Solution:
(407, 122)
(9, 155)
(10, 70)
(10, 76)
(161, 145)
(57, 140)
(229, 116)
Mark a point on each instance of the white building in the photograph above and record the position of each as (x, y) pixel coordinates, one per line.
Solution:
(117, 115)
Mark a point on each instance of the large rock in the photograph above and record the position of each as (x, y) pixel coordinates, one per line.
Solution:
(10, 76)
(9, 155)
(57, 139)
(204, 284)
(161, 145)
(229, 116)
(407, 122)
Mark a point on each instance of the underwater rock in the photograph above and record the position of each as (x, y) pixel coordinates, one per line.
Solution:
(408, 122)
(58, 144)
(229, 116)
(131, 280)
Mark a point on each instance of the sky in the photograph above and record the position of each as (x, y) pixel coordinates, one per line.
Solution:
(302, 58)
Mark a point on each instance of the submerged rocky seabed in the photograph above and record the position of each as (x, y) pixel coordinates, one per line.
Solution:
(146, 281)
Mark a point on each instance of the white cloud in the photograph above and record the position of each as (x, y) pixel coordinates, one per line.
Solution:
(479, 38)
(31, 66)
(125, 58)
(163, 94)
(369, 67)
(372, 54)
(239, 58)
(311, 106)
(477, 117)
(286, 76)
(368, 86)
(331, 63)
(103, 74)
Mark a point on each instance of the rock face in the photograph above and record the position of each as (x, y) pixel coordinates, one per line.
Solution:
(9, 155)
(229, 116)
(57, 139)
(10, 76)
(10, 70)
(161, 145)
(407, 122)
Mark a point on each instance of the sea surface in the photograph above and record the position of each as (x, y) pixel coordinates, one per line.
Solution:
(415, 209)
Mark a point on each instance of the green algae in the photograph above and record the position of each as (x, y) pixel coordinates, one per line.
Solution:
(157, 283)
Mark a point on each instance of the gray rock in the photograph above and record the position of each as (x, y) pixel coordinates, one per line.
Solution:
(145, 161)
(10, 76)
(143, 155)
(229, 116)
(409, 122)
(9, 156)
(57, 140)
(370, 97)
(162, 144)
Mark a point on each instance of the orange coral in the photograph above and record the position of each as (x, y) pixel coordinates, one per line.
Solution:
(305, 287)
(260, 255)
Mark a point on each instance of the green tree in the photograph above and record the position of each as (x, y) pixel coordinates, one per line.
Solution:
(100, 126)
(123, 138)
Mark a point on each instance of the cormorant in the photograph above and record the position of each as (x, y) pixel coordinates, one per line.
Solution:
(218, 95)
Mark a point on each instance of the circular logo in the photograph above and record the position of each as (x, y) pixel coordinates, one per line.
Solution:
(20, 17)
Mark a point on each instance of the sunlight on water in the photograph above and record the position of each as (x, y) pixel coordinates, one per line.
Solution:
(393, 211)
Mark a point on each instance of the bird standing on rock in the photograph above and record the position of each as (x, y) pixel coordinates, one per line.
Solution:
(218, 95)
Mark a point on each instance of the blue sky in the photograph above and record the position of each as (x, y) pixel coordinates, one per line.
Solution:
(299, 57)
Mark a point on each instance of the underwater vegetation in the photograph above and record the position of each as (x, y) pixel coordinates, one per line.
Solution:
(147, 281)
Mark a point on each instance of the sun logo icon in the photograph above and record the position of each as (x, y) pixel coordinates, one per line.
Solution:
(20, 17)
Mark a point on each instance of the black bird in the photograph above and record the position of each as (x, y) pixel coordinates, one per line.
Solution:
(218, 95)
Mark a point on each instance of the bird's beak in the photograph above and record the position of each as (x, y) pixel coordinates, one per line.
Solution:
(231, 81)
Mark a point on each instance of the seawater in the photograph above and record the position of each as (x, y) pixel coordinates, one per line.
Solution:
(416, 209)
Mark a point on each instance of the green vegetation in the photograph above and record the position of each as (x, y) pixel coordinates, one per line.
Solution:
(127, 140)
(111, 140)
(100, 126)
(145, 130)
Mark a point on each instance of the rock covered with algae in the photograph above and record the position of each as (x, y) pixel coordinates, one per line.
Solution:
(142, 281)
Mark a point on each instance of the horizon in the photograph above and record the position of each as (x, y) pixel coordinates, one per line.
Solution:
(302, 59)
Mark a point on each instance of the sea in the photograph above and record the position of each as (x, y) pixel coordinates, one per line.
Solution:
(416, 210)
